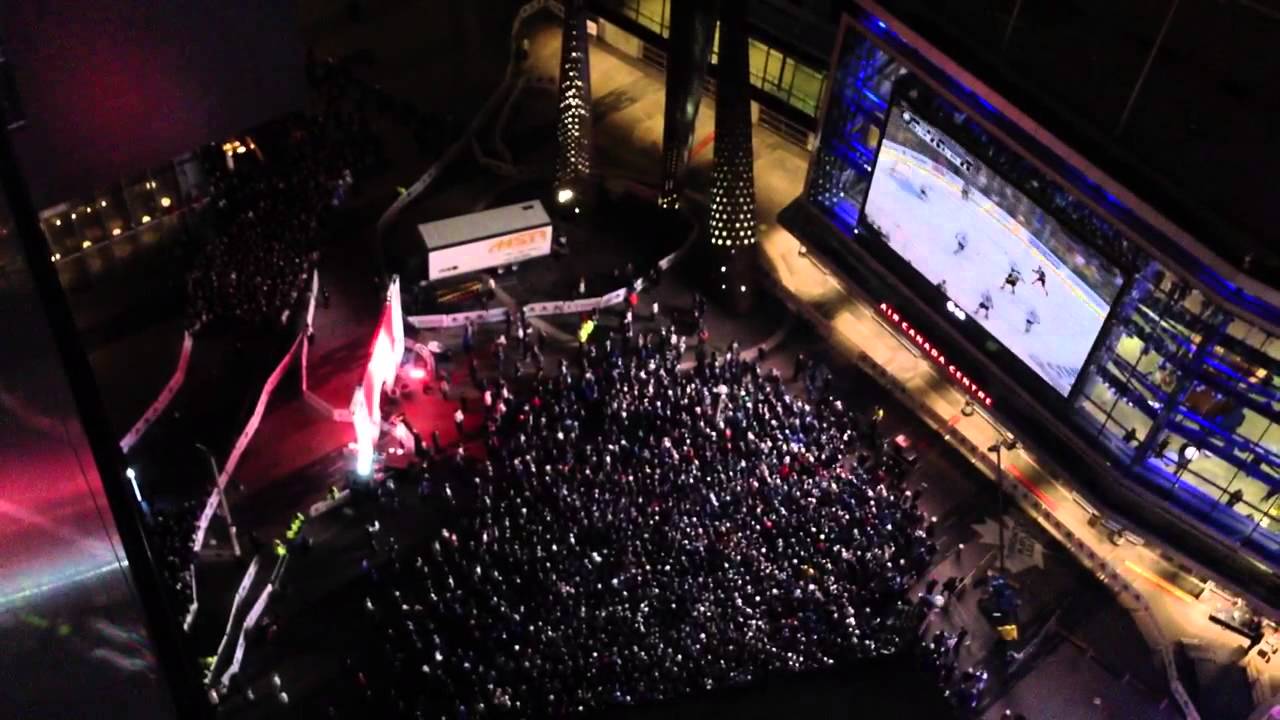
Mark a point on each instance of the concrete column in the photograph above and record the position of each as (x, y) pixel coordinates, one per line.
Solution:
(732, 230)
(573, 129)
(1188, 376)
(693, 27)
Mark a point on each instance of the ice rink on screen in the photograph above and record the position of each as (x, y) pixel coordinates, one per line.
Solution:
(924, 233)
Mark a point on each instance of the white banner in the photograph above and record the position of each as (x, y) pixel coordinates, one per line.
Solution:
(563, 307)
(195, 601)
(241, 591)
(249, 621)
(162, 401)
(429, 322)
(311, 305)
(551, 307)
(242, 442)
(614, 297)
(306, 347)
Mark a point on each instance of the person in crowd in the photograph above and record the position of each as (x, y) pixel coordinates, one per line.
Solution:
(267, 217)
(637, 532)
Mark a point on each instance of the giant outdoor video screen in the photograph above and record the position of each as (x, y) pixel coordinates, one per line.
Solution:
(1001, 258)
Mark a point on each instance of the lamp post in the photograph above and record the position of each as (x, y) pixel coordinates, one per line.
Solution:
(1186, 453)
(222, 499)
(1007, 443)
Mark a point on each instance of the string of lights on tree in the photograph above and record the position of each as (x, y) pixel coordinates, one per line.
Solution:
(573, 130)
(733, 194)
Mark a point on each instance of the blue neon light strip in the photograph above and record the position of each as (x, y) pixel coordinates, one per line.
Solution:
(1226, 442)
(1220, 517)
(1185, 261)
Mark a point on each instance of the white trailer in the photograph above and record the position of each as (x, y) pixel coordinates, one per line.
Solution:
(491, 238)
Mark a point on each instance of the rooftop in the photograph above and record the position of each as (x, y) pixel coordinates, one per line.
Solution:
(487, 223)
(1199, 138)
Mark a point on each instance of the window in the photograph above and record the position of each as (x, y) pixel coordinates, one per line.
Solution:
(806, 89)
(779, 75)
(788, 75)
(773, 70)
(653, 14)
(757, 51)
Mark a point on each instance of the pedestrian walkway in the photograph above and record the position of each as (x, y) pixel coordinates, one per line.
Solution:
(629, 140)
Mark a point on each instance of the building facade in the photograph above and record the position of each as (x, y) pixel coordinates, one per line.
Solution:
(1165, 376)
(788, 49)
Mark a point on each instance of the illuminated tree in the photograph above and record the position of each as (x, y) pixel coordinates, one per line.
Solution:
(573, 130)
(732, 223)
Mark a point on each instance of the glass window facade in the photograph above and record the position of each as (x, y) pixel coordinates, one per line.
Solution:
(781, 75)
(653, 14)
(855, 113)
(85, 222)
(1188, 394)
(773, 71)
(68, 595)
(1180, 389)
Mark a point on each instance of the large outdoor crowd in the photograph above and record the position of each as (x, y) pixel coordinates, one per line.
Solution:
(268, 217)
(637, 532)
(171, 532)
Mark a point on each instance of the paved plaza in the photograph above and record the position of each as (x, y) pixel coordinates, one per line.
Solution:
(1083, 654)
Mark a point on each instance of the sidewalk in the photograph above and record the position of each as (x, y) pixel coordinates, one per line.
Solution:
(1148, 583)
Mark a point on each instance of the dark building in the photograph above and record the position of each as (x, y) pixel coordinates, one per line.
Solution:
(98, 101)
(80, 613)
(117, 96)
(1164, 380)
(1129, 141)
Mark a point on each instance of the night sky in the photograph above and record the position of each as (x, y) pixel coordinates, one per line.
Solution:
(111, 89)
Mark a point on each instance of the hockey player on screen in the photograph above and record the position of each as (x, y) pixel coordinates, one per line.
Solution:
(962, 242)
(924, 193)
(964, 192)
(985, 304)
(1033, 319)
(1041, 280)
(1011, 281)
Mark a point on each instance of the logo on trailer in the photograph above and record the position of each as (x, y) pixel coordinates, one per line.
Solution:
(936, 355)
(516, 241)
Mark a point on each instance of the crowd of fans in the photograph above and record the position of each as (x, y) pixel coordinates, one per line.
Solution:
(638, 532)
(268, 216)
(171, 532)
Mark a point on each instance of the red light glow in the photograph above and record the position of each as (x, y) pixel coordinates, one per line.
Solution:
(384, 361)
(964, 381)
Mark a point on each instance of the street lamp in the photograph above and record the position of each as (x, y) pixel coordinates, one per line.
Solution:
(222, 499)
(137, 492)
(1186, 454)
(1007, 443)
